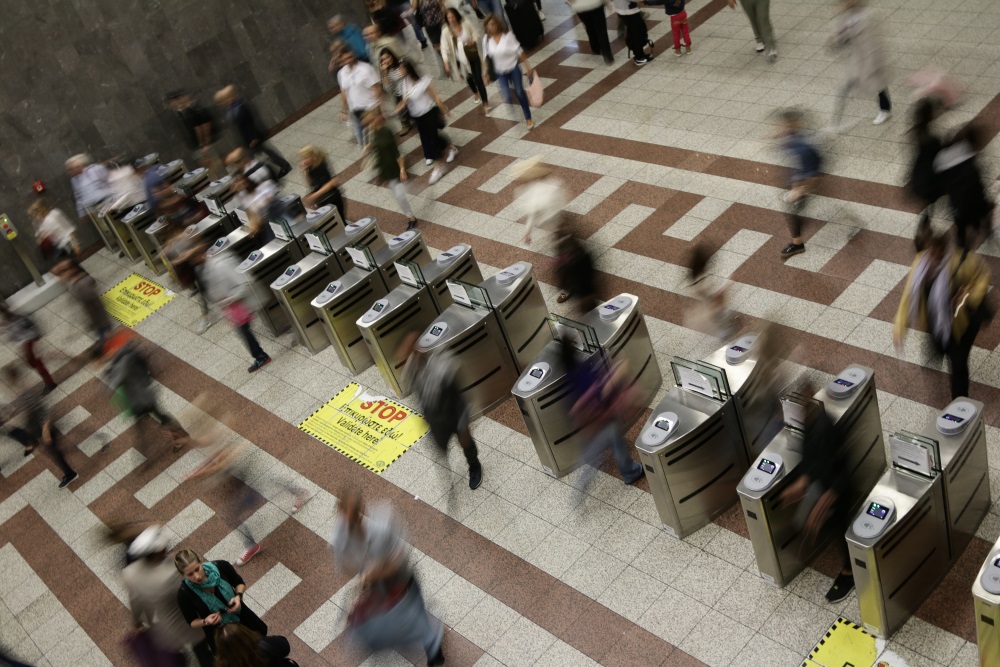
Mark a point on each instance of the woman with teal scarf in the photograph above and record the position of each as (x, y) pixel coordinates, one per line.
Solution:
(212, 596)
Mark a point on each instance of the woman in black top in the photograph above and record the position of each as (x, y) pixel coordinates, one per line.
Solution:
(324, 187)
(212, 596)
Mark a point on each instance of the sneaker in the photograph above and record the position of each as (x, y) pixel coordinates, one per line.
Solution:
(639, 475)
(299, 502)
(436, 175)
(258, 364)
(677, 53)
(842, 586)
(411, 224)
(423, 45)
(881, 117)
(793, 249)
(759, 48)
(687, 50)
(428, 162)
(541, 15)
(248, 554)
(67, 480)
(475, 477)
(452, 153)
(641, 61)
(772, 55)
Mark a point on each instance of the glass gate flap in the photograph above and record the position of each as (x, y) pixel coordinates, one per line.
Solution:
(410, 273)
(362, 256)
(580, 336)
(701, 378)
(915, 453)
(469, 295)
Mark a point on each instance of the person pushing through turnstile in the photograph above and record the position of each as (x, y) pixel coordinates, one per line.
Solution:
(820, 484)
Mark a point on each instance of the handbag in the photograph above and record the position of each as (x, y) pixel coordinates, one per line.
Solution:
(534, 91)
(237, 313)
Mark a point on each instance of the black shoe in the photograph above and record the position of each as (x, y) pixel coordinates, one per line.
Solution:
(49, 388)
(793, 249)
(423, 45)
(842, 586)
(258, 364)
(67, 480)
(475, 477)
(642, 473)
(412, 224)
(436, 659)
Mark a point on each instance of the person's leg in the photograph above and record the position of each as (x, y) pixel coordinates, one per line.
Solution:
(686, 30)
(504, 83)
(517, 81)
(840, 104)
(750, 9)
(425, 131)
(630, 469)
(55, 452)
(795, 222)
(250, 340)
(359, 128)
(884, 104)
(762, 10)
(675, 31)
(471, 454)
(36, 363)
(590, 23)
(958, 358)
(399, 192)
(476, 68)
(601, 27)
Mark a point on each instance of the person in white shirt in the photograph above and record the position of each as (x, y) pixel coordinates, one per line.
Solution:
(542, 196)
(360, 90)
(460, 41)
(502, 47)
(427, 112)
(89, 181)
(54, 232)
(591, 13)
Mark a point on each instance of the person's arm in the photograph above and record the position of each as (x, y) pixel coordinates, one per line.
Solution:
(192, 609)
(228, 572)
(437, 100)
(523, 59)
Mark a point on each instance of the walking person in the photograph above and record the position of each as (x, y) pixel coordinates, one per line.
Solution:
(430, 14)
(460, 54)
(211, 596)
(248, 128)
(636, 34)
(575, 275)
(390, 611)
(759, 14)
(806, 163)
(591, 15)
(82, 287)
(360, 91)
(55, 234)
(957, 169)
(502, 49)
(324, 187)
(677, 11)
(945, 292)
(428, 113)
(924, 184)
(89, 181)
(22, 330)
(389, 165)
(542, 196)
(867, 69)
(435, 378)
(201, 131)
(152, 585)
(36, 428)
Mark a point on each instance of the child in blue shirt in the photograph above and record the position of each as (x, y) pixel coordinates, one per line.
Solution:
(806, 163)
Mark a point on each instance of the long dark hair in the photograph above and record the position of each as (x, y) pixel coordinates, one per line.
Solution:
(409, 71)
(392, 57)
(453, 12)
(237, 646)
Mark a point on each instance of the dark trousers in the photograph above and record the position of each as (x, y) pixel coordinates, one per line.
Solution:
(596, 25)
(636, 34)
(958, 352)
(475, 79)
(795, 218)
(432, 140)
(276, 158)
(883, 101)
(36, 363)
(52, 450)
(253, 346)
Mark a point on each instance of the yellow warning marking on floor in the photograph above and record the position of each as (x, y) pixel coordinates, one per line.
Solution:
(844, 645)
(370, 430)
(134, 299)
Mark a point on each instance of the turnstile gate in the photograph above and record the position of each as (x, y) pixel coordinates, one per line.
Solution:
(138, 221)
(363, 232)
(171, 172)
(341, 304)
(920, 516)
(296, 288)
(986, 600)
(455, 263)
(408, 246)
(261, 268)
(193, 182)
(112, 214)
(521, 312)
(775, 526)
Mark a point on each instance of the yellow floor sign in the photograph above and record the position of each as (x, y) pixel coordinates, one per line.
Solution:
(134, 299)
(368, 429)
(848, 645)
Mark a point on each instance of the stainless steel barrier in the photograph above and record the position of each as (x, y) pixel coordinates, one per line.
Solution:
(521, 311)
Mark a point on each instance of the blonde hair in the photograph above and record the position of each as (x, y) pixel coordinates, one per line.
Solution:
(311, 151)
(39, 209)
(494, 18)
(184, 559)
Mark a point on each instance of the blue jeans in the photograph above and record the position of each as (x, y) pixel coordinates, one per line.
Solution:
(494, 7)
(613, 436)
(514, 78)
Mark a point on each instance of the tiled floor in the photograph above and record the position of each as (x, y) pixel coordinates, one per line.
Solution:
(529, 570)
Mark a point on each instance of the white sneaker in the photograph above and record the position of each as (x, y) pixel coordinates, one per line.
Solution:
(428, 162)
(541, 14)
(881, 117)
(452, 152)
(772, 55)
(436, 175)
(205, 323)
(759, 48)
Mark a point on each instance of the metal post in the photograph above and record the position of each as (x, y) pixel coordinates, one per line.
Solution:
(10, 233)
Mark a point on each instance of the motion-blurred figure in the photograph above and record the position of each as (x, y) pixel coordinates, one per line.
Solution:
(602, 399)
(36, 428)
(362, 91)
(55, 233)
(957, 167)
(324, 187)
(542, 196)
(349, 35)
(806, 163)
(711, 314)
(575, 274)
(390, 611)
(152, 584)
(759, 14)
(242, 161)
(820, 485)
(858, 32)
(89, 182)
(924, 184)
(21, 330)
(82, 287)
(128, 376)
(945, 294)
(435, 378)
(186, 254)
(389, 164)
(201, 130)
(248, 128)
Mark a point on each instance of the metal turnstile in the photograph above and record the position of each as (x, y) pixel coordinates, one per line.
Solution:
(455, 263)
(406, 309)
(920, 516)
(324, 220)
(296, 288)
(138, 221)
(986, 600)
(193, 182)
(112, 213)
(261, 268)
(775, 527)
(692, 448)
(341, 304)
(171, 172)
(363, 232)
(408, 247)
(469, 330)
(108, 237)
(545, 396)
(622, 333)
(521, 311)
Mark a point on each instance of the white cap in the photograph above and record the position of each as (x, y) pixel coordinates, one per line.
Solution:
(150, 541)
